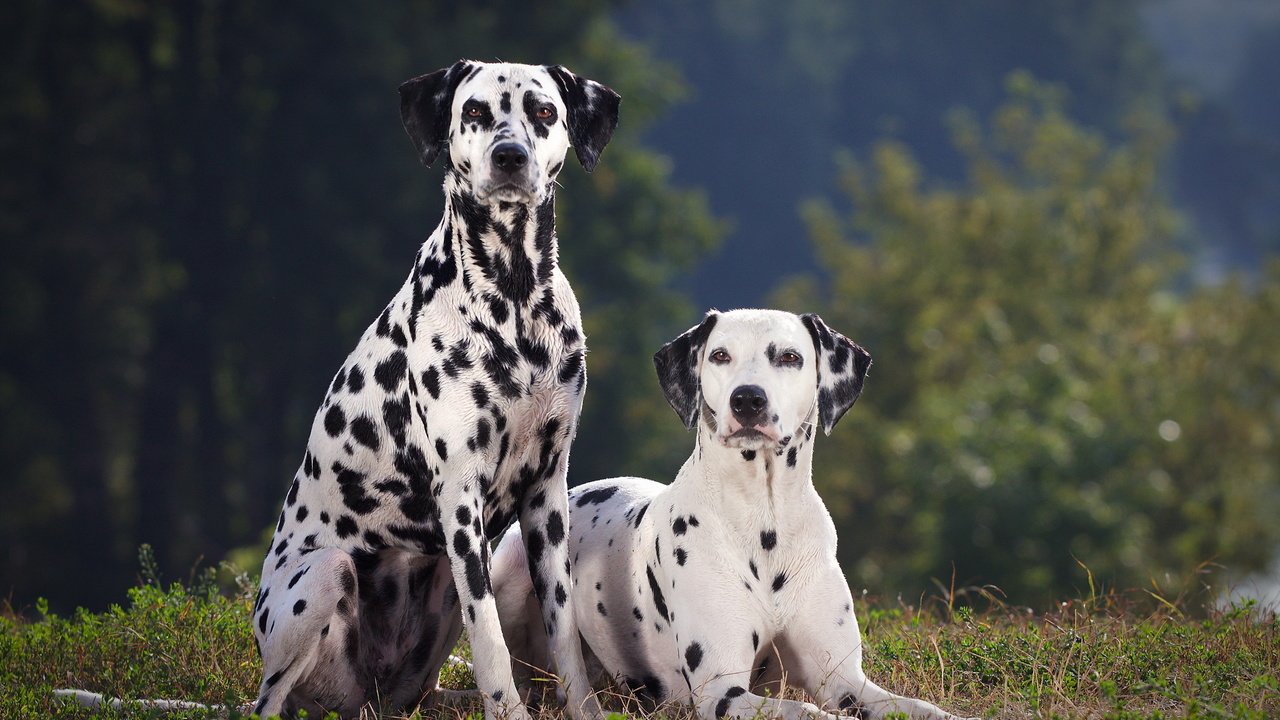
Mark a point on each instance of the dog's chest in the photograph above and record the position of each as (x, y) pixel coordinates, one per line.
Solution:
(450, 396)
(764, 557)
(502, 395)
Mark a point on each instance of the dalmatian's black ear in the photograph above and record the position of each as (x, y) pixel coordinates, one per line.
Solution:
(678, 364)
(593, 113)
(842, 369)
(425, 103)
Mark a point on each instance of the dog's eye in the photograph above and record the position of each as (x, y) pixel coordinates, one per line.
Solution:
(546, 112)
(473, 112)
(719, 356)
(789, 358)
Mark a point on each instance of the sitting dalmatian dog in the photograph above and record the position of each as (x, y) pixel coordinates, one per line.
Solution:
(708, 589)
(452, 417)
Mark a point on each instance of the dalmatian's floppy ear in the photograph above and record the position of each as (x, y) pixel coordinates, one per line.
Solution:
(593, 113)
(678, 364)
(842, 369)
(425, 103)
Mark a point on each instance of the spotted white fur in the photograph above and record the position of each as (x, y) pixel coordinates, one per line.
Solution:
(452, 417)
(709, 589)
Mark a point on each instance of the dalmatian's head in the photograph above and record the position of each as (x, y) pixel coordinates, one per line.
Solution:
(506, 127)
(758, 377)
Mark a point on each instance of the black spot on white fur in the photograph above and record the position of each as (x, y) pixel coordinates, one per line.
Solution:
(693, 656)
(369, 479)
(596, 496)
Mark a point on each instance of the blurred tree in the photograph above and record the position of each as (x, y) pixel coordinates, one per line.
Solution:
(203, 206)
(1045, 389)
(779, 86)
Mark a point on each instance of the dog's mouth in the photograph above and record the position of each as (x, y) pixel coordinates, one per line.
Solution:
(508, 192)
(751, 438)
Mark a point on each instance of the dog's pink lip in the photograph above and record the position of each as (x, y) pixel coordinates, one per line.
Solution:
(762, 433)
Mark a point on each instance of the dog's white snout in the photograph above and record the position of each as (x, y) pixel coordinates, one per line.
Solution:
(750, 417)
(512, 175)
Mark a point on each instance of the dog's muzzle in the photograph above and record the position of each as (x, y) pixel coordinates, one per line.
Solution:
(510, 175)
(749, 424)
(509, 158)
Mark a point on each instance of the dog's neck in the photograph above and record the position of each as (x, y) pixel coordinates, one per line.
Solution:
(507, 250)
(781, 478)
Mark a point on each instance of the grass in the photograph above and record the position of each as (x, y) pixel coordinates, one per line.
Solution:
(1098, 657)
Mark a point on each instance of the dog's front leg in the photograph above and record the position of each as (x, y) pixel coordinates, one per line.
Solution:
(462, 519)
(717, 644)
(720, 680)
(822, 652)
(544, 525)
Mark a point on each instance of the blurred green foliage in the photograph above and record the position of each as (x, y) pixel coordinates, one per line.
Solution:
(1047, 389)
(203, 204)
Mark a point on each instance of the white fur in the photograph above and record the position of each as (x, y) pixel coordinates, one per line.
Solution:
(759, 581)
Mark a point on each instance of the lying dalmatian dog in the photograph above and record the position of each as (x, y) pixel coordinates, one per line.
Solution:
(694, 591)
(452, 417)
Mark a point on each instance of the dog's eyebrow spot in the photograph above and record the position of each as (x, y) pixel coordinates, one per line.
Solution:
(768, 539)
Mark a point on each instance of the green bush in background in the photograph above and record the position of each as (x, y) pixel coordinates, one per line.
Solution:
(1048, 387)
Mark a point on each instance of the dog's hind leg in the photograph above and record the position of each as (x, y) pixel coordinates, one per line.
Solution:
(306, 623)
(428, 623)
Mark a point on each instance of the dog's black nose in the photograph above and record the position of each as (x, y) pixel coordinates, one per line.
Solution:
(510, 157)
(748, 403)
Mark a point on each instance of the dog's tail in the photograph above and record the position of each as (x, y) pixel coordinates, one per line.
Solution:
(97, 701)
